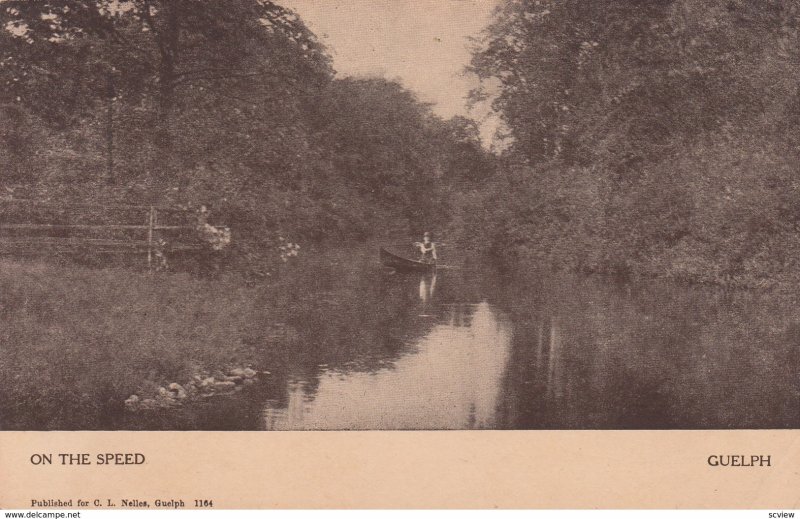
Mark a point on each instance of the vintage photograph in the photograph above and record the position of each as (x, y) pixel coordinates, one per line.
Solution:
(249, 215)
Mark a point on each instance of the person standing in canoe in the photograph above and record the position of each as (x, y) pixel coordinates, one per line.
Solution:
(427, 249)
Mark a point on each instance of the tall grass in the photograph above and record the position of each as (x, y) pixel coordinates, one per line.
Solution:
(76, 342)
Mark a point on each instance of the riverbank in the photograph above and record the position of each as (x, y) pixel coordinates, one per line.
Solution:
(79, 342)
(565, 225)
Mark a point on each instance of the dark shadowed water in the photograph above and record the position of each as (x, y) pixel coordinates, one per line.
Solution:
(466, 349)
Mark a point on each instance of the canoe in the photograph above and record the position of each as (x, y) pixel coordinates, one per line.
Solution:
(403, 264)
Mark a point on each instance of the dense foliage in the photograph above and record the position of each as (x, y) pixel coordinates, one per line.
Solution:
(640, 136)
(646, 137)
(233, 105)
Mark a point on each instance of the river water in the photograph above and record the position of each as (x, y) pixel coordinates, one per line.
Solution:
(468, 349)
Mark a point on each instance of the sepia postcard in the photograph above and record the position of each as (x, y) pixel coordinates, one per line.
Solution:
(358, 254)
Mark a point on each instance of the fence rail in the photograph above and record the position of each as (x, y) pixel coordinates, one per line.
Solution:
(45, 226)
(59, 205)
(138, 238)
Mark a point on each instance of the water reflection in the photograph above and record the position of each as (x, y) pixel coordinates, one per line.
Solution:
(448, 379)
(427, 287)
(589, 355)
(470, 350)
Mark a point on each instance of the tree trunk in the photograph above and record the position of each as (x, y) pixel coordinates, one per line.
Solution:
(110, 94)
(168, 44)
(166, 73)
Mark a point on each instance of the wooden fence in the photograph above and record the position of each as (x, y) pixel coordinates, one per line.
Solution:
(39, 227)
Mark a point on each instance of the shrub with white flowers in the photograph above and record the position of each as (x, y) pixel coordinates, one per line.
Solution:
(288, 249)
(217, 237)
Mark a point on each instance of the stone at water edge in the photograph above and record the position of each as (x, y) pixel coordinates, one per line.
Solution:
(224, 385)
(249, 373)
(132, 401)
(177, 390)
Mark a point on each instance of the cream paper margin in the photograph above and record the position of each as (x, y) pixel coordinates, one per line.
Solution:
(457, 469)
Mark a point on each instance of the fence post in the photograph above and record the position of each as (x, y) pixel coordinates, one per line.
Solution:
(150, 239)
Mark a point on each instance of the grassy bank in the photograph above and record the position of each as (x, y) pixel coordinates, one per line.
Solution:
(80, 340)
(77, 342)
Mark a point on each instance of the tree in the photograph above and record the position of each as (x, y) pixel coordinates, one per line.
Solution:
(157, 50)
(382, 139)
(231, 105)
(465, 160)
(631, 80)
(632, 111)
